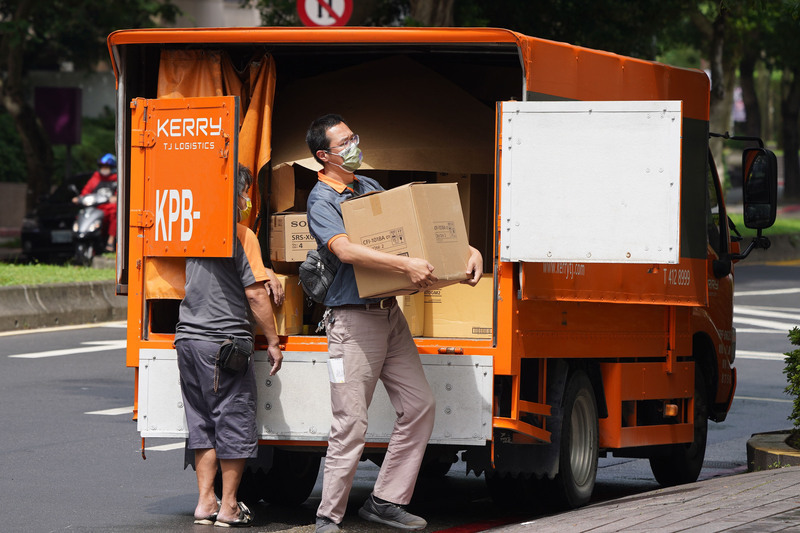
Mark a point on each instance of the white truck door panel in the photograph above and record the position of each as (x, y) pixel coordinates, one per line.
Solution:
(590, 182)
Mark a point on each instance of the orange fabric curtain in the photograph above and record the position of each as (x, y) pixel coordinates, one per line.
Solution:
(191, 73)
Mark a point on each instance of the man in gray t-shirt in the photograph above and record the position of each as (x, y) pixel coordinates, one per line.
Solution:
(223, 297)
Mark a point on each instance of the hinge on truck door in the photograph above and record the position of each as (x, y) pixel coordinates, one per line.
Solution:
(141, 219)
(143, 138)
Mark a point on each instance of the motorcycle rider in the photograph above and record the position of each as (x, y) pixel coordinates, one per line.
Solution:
(105, 176)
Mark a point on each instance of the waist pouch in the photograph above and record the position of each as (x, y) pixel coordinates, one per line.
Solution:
(234, 354)
(317, 273)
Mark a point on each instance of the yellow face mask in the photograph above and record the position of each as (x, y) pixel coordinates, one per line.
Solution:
(244, 214)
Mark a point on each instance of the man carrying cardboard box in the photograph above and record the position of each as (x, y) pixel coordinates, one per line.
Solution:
(368, 339)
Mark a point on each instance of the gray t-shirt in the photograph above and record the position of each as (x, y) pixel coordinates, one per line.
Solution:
(215, 306)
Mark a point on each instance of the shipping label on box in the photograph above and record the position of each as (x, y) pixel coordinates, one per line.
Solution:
(391, 241)
(289, 238)
(460, 310)
(414, 220)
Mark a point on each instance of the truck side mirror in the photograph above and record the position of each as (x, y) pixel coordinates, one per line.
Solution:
(760, 187)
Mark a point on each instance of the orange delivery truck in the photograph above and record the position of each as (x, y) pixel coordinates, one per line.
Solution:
(603, 323)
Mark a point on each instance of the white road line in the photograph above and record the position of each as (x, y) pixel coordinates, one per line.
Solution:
(742, 331)
(748, 354)
(165, 447)
(769, 324)
(767, 292)
(94, 346)
(755, 311)
(762, 399)
(65, 328)
(112, 412)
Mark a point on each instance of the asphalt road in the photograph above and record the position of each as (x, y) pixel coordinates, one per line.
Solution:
(71, 455)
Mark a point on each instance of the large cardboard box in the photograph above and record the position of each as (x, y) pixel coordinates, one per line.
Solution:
(289, 316)
(413, 308)
(415, 220)
(460, 311)
(289, 238)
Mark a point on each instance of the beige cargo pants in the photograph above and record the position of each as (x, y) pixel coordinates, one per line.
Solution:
(364, 346)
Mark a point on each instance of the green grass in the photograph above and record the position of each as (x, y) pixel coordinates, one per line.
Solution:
(38, 274)
(782, 226)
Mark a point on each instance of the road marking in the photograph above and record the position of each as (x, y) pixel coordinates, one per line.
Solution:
(112, 412)
(760, 330)
(769, 324)
(93, 346)
(65, 328)
(769, 292)
(747, 354)
(762, 399)
(772, 313)
(165, 447)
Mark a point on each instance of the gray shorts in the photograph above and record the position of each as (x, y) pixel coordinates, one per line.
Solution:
(224, 420)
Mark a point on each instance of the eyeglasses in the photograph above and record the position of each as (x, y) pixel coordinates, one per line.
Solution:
(352, 140)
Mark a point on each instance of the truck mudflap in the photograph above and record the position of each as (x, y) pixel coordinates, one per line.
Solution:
(294, 405)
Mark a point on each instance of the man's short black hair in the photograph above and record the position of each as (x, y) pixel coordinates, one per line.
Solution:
(316, 136)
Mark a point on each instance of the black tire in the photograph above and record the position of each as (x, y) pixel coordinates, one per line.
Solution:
(683, 462)
(84, 253)
(291, 479)
(577, 463)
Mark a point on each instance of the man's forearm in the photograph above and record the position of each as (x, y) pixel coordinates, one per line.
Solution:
(262, 312)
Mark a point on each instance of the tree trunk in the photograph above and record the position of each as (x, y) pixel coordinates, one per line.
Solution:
(752, 125)
(790, 113)
(35, 144)
(432, 12)
(720, 88)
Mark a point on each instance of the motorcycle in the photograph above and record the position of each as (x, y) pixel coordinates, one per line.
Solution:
(89, 231)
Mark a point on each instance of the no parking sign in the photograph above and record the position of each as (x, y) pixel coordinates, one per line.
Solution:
(324, 12)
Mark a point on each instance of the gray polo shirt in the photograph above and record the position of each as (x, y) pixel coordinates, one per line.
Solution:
(325, 223)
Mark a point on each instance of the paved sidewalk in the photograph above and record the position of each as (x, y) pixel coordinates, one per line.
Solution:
(755, 502)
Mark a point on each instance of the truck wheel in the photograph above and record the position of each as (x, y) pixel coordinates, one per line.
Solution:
(683, 462)
(577, 463)
(292, 477)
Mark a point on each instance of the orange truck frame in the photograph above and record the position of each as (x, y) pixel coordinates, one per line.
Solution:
(587, 183)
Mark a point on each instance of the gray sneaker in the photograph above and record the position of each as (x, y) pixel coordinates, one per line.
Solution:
(390, 514)
(326, 525)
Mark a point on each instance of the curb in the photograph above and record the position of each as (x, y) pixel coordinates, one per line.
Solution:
(60, 304)
(766, 451)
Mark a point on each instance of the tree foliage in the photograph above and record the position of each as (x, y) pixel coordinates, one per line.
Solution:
(792, 370)
(45, 34)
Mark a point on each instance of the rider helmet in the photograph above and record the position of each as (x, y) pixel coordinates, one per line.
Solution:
(108, 160)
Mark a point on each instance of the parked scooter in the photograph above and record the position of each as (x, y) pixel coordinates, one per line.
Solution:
(89, 232)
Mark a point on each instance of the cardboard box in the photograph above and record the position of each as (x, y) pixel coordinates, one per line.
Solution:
(477, 203)
(289, 238)
(289, 316)
(413, 308)
(415, 220)
(460, 311)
